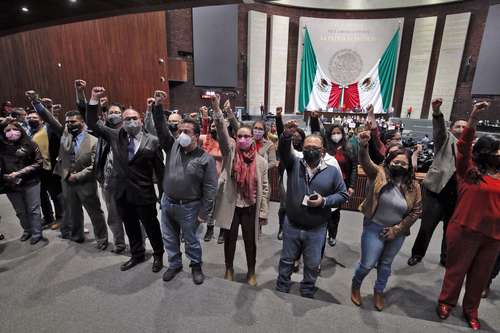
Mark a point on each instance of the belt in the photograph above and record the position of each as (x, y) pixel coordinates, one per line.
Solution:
(181, 202)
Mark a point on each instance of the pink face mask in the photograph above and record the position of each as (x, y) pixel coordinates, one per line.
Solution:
(13, 135)
(244, 143)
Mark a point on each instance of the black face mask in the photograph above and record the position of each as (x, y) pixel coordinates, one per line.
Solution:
(74, 129)
(33, 124)
(297, 145)
(397, 171)
(213, 133)
(312, 156)
(173, 128)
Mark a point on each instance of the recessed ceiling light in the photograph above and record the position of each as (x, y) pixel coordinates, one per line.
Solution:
(73, 1)
(25, 9)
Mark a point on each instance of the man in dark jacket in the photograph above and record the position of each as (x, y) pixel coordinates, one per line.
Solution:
(313, 188)
(136, 159)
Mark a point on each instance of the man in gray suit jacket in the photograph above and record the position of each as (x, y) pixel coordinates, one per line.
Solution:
(439, 188)
(75, 166)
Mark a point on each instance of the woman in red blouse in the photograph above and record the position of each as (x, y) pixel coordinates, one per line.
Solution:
(473, 235)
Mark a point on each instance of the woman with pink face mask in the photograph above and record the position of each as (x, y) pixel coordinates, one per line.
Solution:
(20, 165)
(242, 195)
(265, 147)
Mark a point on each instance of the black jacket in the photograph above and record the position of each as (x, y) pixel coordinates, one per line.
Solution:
(134, 178)
(25, 159)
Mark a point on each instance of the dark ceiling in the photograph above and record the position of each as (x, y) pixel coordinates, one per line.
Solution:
(49, 12)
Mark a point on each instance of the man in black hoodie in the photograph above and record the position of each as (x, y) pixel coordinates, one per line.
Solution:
(313, 189)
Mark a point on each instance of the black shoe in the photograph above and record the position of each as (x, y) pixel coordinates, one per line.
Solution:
(102, 245)
(414, 260)
(209, 234)
(119, 249)
(220, 239)
(157, 263)
(197, 273)
(332, 242)
(131, 263)
(280, 234)
(78, 240)
(171, 273)
(25, 237)
(2, 237)
(33, 241)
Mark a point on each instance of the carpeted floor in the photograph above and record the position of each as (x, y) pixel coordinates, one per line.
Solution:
(61, 286)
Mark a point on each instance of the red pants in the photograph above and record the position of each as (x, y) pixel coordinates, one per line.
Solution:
(473, 254)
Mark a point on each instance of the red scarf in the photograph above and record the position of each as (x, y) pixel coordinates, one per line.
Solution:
(245, 172)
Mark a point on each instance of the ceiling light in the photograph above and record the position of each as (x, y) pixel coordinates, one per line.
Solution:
(25, 9)
(73, 1)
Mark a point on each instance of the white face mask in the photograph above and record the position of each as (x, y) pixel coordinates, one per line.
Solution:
(184, 140)
(336, 138)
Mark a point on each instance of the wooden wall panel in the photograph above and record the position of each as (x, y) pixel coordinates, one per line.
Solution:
(121, 53)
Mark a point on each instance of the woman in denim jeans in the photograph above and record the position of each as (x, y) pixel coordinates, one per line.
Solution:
(392, 205)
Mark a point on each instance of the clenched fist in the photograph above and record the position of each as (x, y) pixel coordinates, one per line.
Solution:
(364, 138)
(80, 85)
(160, 96)
(98, 93)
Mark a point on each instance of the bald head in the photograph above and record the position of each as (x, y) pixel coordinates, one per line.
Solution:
(313, 141)
(174, 118)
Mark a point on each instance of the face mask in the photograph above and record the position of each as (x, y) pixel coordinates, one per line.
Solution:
(336, 138)
(244, 143)
(33, 124)
(173, 128)
(397, 171)
(184, 140)
(74, 129)
(13, 135)
(312, 156)
(132, 127)
(258, 134)
(115, 119)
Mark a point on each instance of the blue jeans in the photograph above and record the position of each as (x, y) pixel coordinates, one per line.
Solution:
(296, 242)
(177, 217)
(376, 251)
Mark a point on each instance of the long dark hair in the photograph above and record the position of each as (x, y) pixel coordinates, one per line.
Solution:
(410, 176)
(485, 146)
(342, 143)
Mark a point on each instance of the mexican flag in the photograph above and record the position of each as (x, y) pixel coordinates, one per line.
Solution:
(317, 91)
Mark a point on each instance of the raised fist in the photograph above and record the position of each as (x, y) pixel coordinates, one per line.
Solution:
(436, 104)
(98, 93)
(369, 109)
(160, 96)
(215, 99)
(104, 102)
(480, 106)
(227, 106)
(364, 138)
(47, 102)
(204, 111)
(279, 111)
(31, 95)
(80, 84)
